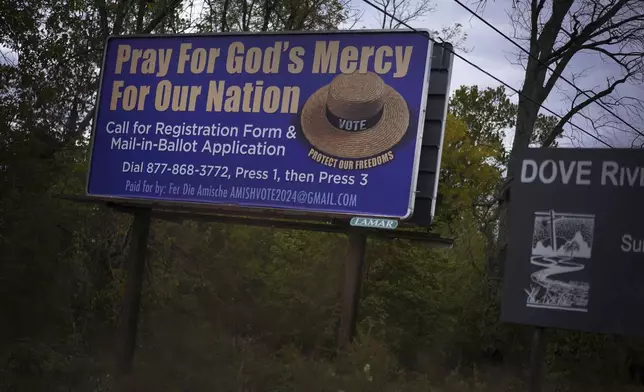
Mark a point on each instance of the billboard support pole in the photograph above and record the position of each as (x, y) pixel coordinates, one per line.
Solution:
(537, 358)
(129, 317)
(353, 270)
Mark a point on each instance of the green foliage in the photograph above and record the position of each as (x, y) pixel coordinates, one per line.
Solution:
(489, 114)
(469, 177)
(400, 302)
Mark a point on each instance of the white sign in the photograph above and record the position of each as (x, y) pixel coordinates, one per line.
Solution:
(374, 223)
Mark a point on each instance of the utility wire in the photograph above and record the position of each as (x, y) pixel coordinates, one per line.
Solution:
(526, 51)
(488, 74)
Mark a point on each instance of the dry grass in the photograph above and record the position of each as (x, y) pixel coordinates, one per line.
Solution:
(186, 357)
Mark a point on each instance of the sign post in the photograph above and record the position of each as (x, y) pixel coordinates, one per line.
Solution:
(353, 271)
(575, 259)
(537, 357)
(132, 297)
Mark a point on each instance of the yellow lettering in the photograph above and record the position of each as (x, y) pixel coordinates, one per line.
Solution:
(133, 97)
(143, 94)
(253, 60)
(129, 98)
(248, 90)
(163, 95)
(297, 64)
(134, 64)
(367, 52)
(195, 91)
(272, 57)
(381, 66)
(290, 99)
(271, 99)
(199, 61)
(149, 61)
(116, 93)
(349, 60)
(233, 99)
(212, 58)
(402, 61)
(183, 57)
(235, 59)
(165, 55)
(215, 96)
(180, 98)
(325, 58)
(122, 56)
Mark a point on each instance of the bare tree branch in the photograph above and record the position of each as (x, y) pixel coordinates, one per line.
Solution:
(559, 30)
(160, 17)
(102, 13)
(140, 14)
(121, 12)
(578, 108)
(403, 11)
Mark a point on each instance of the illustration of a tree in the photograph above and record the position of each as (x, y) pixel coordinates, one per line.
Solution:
(571, 246)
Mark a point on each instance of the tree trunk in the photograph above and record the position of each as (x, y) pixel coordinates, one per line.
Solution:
(526, 118)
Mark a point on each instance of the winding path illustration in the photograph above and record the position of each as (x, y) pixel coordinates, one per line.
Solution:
(555, 266)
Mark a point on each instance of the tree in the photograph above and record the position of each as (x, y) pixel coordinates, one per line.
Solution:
(400, 301)
(403, 11)
(487, 115)
(555, 31)
(274, 15)
(468, 176)
(571, 247)
(400, 13)
(482, 119)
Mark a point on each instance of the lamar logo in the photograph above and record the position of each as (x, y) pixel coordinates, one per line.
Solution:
(374, 223)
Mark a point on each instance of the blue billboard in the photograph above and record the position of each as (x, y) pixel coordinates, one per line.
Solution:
(318, 122)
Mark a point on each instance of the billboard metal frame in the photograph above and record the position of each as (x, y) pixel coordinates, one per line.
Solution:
(439, 155)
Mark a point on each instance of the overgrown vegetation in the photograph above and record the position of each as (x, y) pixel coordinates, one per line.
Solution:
(233, 308)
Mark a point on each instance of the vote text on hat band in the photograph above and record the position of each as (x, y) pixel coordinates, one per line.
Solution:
(350, 125)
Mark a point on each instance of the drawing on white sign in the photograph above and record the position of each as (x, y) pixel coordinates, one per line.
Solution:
(561, 244)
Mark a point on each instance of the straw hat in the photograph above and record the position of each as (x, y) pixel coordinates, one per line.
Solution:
(355, 116)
